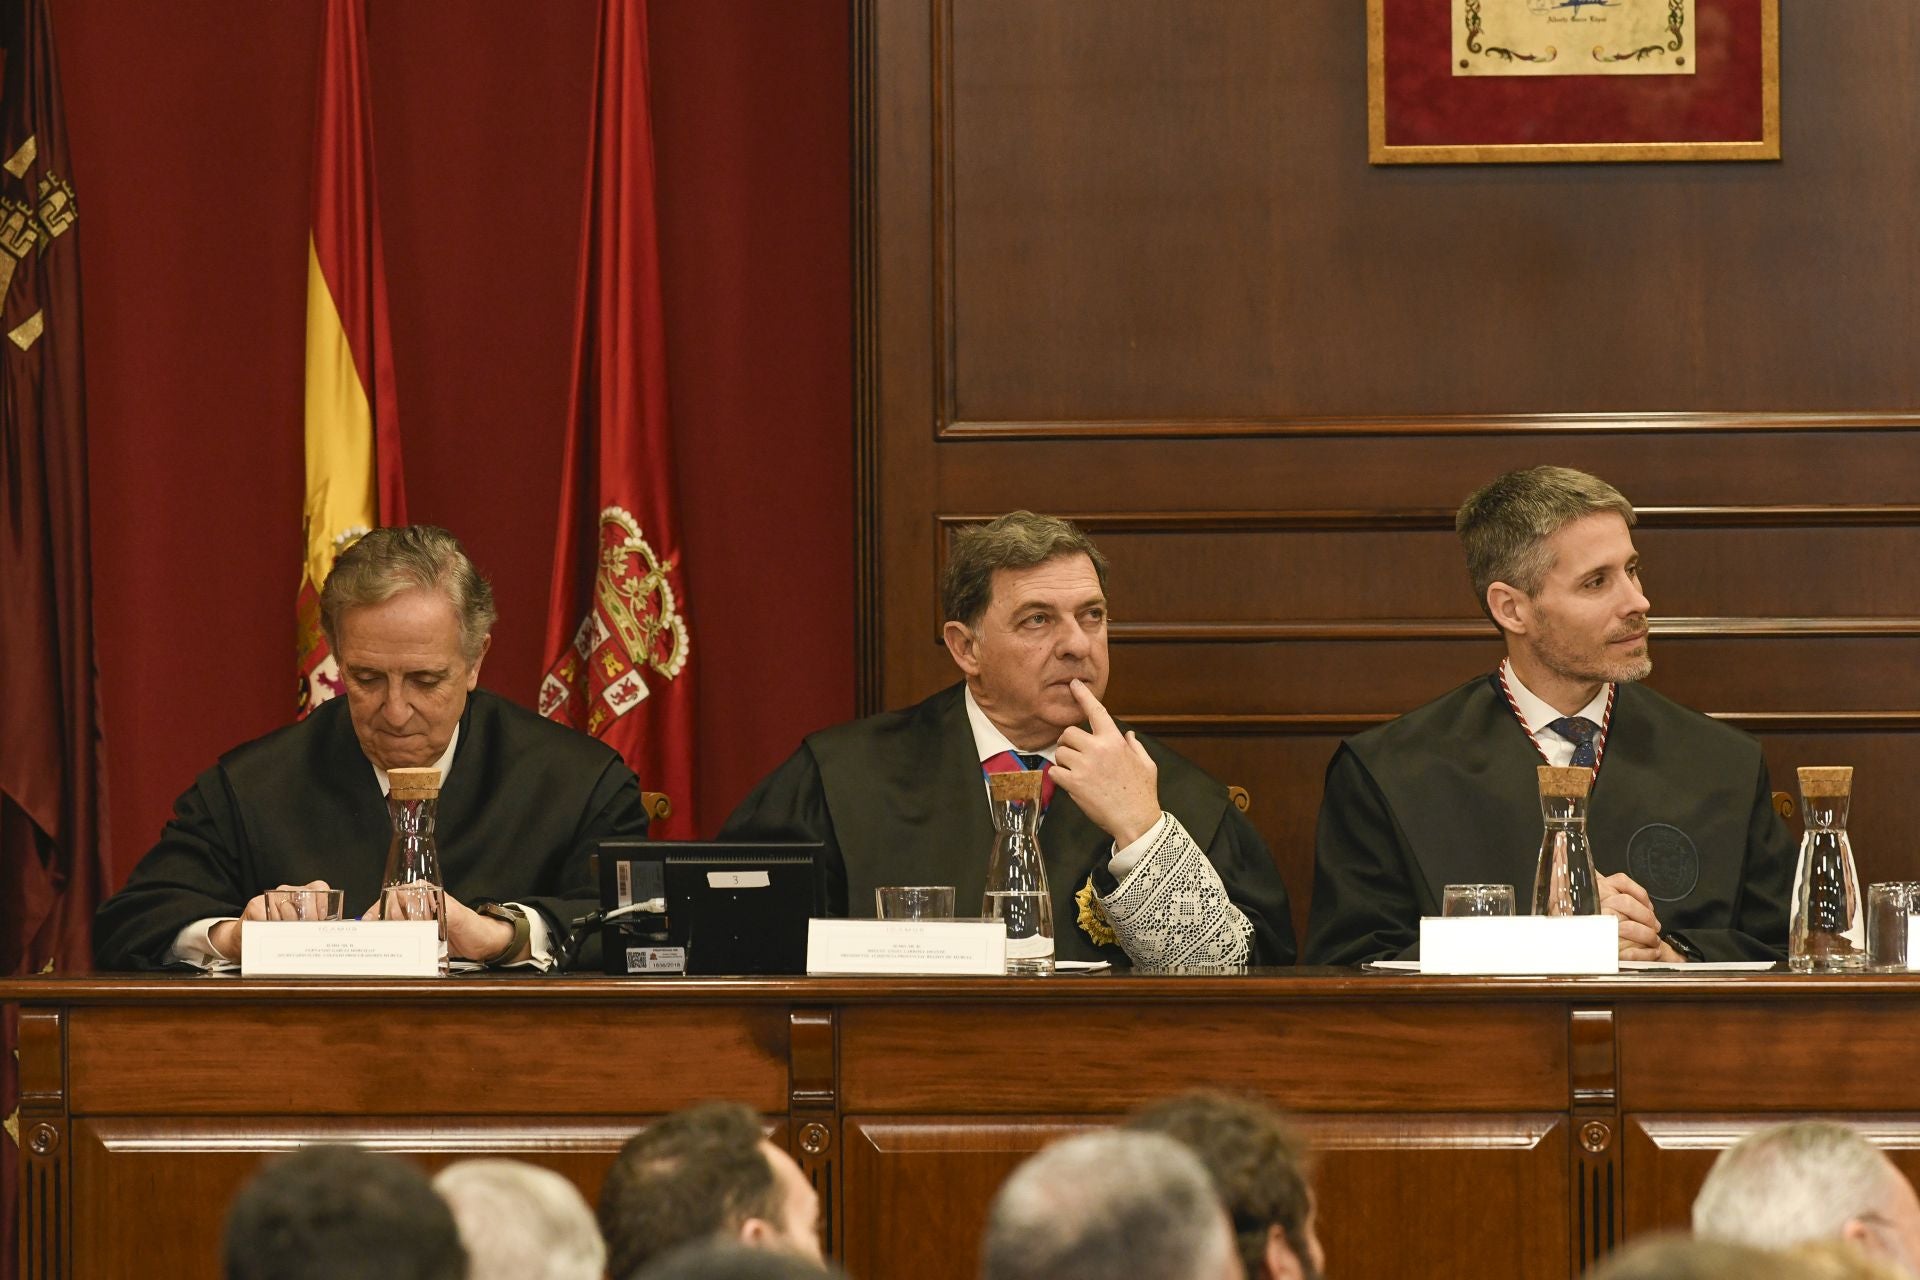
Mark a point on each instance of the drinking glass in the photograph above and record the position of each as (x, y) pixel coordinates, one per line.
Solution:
(306, 904)
(1888, 907)
(1477, 900)
(914, 902)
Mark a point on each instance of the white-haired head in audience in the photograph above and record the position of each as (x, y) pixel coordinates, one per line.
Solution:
(522, 1222)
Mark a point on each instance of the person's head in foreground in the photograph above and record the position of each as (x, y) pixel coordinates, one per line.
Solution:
(1260, 1167)
(1810, 1180)
(341, 1213)
(1838, 1260)
(727, 1260)
(1109, 1204)
(1551, 557)
(522, 1222)
(1678, 1258)
(705, 1174)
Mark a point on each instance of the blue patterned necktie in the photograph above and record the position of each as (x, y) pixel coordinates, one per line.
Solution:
(1581, 732)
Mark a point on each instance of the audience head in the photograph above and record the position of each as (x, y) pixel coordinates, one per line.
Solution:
(702, 1174)
(1838, 1260)
(726, 1260)
(1677, 1258)
(1810, 1180)
(1108, 1204)
(522, 1222)
(341, 1213)
(1260, 1167)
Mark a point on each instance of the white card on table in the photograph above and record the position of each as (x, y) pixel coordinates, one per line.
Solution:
(340, 948)
(976, 947)
(1519, 944)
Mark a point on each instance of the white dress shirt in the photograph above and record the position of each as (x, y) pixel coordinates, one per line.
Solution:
(1536, 715)
(989, 742)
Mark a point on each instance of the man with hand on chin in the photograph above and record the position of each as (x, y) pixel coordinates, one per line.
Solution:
(1168, 870)
(1681, 811)
(523, 801)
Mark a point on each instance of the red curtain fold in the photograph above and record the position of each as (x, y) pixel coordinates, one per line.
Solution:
(617, 641)
(53, 867)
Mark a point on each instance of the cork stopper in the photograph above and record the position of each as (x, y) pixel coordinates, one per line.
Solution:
(1826, 780)
(1573, 780)
(413, 784)
(1023, 785)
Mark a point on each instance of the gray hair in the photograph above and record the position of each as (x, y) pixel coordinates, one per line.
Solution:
(1017, 540)
(1790, 1183)
(1678, 1258)
(387, 561)
(1107, 1204)
(1505, 525)
(522, 1222)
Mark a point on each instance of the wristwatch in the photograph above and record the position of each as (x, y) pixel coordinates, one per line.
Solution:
(522, 930)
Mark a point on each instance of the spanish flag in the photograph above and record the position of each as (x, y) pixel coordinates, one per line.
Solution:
(352, 421)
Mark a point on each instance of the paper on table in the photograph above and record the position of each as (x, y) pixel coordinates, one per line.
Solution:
(1081, 966)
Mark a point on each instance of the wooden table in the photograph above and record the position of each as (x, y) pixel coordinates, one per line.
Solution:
(1525, 1124)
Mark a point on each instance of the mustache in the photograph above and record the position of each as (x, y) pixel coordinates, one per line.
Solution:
(1634, 633)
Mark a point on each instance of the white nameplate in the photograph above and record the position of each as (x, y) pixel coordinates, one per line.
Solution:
(1913, 943)
(1519, 944)
(907, 946)
(340, 948)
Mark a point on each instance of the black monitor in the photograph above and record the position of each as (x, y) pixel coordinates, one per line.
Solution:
(707, 906)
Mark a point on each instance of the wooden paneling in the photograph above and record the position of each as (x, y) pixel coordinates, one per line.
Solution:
(293, 1054)
(195, 1166)
(1279, 1051)
(1127, 262)
(1852, 1054)
(925, 1183)
(1668, 1157)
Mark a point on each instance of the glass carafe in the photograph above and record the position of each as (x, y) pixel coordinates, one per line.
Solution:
(1564, 880)
(1016, 874)
(411, 888)
(1828, 929)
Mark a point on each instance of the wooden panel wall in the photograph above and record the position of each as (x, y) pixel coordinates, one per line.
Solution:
(1124, 260)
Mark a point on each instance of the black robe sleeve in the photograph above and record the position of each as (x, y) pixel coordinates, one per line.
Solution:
(614, 809)
(1364, 880)
(1766, 887)
(791, 804)
(191, 874)
(1254, 885)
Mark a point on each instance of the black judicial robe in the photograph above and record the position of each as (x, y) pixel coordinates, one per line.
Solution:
(520, 811)
(897, 798)
(1448, 794)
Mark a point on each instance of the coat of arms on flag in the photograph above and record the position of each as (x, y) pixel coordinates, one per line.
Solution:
(633, 626)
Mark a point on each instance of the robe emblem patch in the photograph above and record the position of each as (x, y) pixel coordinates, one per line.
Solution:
(1664, 861)
(634, 627)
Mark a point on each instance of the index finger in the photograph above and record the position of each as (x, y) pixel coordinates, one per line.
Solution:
(1097, 717)
(1624, 883)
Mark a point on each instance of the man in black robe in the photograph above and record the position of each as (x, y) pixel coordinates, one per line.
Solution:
(522, 804)
(1147, 858)
(1681, 811)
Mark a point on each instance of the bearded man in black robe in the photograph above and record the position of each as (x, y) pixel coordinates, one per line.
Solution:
(523, 801)
(1694, 859)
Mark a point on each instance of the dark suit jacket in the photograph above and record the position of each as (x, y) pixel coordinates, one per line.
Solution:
(520, 811)
(1448, 794)
(897, 798)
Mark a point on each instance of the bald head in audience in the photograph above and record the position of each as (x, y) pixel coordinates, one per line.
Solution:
(1106, 1205)
(1810, 1180)
(521, 1222)
(1677, 1258)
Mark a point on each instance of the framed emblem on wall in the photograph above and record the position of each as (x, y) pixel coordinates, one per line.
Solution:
(1517, 81)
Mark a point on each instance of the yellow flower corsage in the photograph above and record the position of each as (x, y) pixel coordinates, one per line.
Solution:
(1093, 917)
